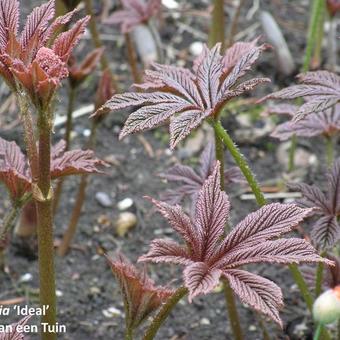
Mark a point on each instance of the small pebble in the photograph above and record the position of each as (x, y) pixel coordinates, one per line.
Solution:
(111, 311)
(125, 222)
(26, 278)
(104, 199)
(205, 321)
(86, 132)
(252, 328)
(59, 293)
(125, 204)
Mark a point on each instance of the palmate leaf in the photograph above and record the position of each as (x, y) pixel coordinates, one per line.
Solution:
(321, 88)
(206, 257)
(187, 97)
(15, 334)
(326, 229)
(141, 296)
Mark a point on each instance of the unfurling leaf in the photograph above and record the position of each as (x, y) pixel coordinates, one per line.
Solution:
(78, 73)
(28, 62)
(187, 98)
(141, 296)
(207, 257)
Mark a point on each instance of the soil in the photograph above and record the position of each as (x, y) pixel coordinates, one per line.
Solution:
(86, 287)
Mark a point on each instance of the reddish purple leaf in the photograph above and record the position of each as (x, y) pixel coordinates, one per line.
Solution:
(188, 98)
(321, 88)
(16, 332)
(134, 13)
(254, 240)
(326, 229)
(141, 296)
(75, 162)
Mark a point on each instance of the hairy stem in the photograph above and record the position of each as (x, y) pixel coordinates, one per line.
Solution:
(43, 195)
(164, 313)
(96, 40)
(240, 161)
(217, 32)
(132, 57)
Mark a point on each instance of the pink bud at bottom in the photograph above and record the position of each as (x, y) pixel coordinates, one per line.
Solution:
(326, 308)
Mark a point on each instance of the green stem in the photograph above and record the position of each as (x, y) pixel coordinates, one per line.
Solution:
(232, 311)
(302, 285)
(240, 161)
(292, 149)
(43, 195)
(217, 32)
(316, 59)
(329, 151)
(129, 334)
(319, 278)
(316, 15)
(164, 313)
(317, 332)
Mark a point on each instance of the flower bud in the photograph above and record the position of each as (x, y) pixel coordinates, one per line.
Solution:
(326, 308)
